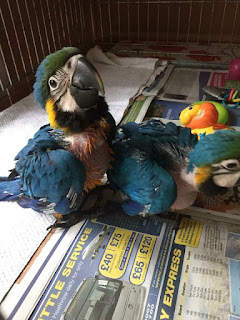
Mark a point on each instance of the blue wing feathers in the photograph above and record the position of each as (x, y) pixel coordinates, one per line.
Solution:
(9, 190)
(46, 171)
(143, 154)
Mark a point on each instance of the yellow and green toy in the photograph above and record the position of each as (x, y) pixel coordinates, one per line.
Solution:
(204, 117)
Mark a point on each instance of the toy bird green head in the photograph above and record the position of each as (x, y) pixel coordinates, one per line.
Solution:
(69, 88)
(216, 159)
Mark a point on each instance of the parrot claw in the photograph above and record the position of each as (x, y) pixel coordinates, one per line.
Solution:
(65, 224)
(97, 203)
(75, 217)
(53, 226)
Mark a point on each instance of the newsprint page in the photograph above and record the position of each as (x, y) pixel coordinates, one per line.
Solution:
(121, 267)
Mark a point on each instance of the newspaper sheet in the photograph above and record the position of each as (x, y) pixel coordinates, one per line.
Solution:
(185, 86)
(175, 89)
(32, 282)
(136, 268)
(20, 237)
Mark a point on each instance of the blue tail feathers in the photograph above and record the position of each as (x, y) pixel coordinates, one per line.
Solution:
(10, 190)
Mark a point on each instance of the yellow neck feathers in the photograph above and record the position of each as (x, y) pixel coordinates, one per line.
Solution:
(52, 115)
(202, 174)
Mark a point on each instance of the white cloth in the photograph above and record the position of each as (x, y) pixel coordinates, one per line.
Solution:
(21, 230)
(123, 78)
(18, 123)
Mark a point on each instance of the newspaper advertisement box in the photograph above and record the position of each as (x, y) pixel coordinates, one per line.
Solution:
(114, 272)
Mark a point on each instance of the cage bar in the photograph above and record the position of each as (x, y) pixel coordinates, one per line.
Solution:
(31, 29)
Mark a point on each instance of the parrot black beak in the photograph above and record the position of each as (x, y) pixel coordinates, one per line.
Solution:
(86, 84)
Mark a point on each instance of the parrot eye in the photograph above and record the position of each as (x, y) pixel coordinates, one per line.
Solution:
(190, 107)
(52, 83)
(231, 164)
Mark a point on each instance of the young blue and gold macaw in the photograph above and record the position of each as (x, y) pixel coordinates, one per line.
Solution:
(217, 173)
(161, 167)
(69, 157)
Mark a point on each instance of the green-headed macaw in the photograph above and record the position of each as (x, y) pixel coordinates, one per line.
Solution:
(160, 167)
(69, 157)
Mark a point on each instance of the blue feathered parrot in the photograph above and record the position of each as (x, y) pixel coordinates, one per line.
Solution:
(160, 167)
(68, 157)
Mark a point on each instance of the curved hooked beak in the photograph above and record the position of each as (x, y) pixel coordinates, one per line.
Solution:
(86, 84)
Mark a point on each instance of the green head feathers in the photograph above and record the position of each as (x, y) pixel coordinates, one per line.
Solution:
(216, 147)
(47, 68)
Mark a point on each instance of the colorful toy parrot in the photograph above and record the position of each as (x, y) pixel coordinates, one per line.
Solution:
(69, 157)
(161, 167)
(204, 117)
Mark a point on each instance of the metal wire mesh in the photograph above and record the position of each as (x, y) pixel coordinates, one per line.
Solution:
(169, 21)
(31, 29)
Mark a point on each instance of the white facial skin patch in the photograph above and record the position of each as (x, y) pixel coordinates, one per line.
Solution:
(59, 85)
(227, 173)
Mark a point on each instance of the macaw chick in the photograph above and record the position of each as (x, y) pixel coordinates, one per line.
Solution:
(160, 167)
(215, 161)
(69, 88)
(69, 157)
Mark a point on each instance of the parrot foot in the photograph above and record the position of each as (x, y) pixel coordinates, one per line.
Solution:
(76, 217)
(73, 218)
(100, 201)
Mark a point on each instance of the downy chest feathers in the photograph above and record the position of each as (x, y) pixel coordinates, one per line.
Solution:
(92, 149)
